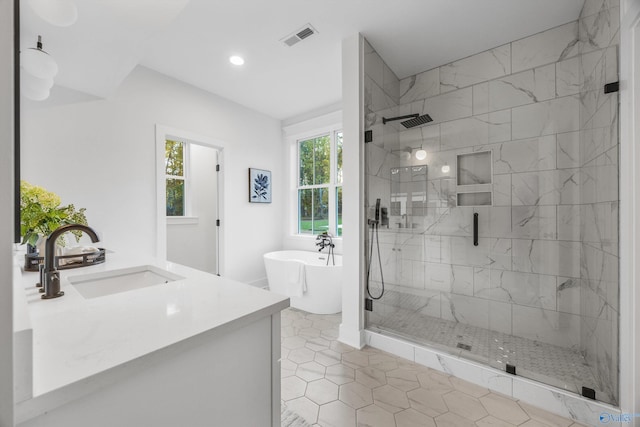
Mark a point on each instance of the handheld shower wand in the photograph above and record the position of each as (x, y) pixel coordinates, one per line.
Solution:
(375, 224)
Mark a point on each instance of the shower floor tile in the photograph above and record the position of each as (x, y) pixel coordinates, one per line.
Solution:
(557, 366)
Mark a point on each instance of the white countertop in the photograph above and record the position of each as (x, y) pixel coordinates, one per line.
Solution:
(76, 339)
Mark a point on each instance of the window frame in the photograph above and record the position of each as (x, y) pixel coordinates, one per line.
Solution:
(186, 167)
(331, 186)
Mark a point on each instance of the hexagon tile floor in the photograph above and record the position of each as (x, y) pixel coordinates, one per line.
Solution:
(333, 385)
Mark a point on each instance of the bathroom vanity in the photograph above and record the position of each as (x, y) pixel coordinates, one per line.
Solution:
(197, 350)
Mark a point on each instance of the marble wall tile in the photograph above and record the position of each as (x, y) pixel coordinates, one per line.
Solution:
(377, 161)
(598, 266)
(523, 88)
(379, 188)
(413, 249)
(418, 278)
(548, 326)
(599, 224)
(390, 83)
(481, 281)
(568, 405)
(533, 290)
(500, 126)
(592, 70)
(544, 48)
(569, 222)
(432, 246)
(538, 188)
(568, 150)
(462, 280)
(552, 257)
(611, 64)
(438, 277)
(441, 193)
(445, 249)
(481, 98)
(595, 142)
(460, 308)
(375, 98)
(568, 77)
(465, 132)
(592, 104)
(490, 252)
(450, 106)
(545, 118)
(536, 222)
(592, 7)
(454, 221)
(607, 113)
(502, 190)
(599, 184)
(420, 86)
(463, 252)
(526, 155)
(373, 65)
(469, 371)
(500, 218)
(599, 30)
(500, 254)
(426, 136)
(475, 69)
(569, 298)
(475, 311)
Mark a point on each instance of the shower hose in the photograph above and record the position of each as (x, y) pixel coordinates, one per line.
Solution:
(374, 232)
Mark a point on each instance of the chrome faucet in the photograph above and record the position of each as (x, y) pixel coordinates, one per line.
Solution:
(50, 274)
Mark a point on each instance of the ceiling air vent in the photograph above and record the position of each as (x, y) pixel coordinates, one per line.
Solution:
(299, 35)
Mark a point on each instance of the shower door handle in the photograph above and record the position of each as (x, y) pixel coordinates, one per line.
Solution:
(475, 229)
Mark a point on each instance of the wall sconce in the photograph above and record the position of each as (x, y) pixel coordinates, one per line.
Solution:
(37, 62)
(39, 69)
(405, 153)
(34, 88)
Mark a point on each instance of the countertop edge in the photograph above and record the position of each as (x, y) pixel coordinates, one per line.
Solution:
(38, 405)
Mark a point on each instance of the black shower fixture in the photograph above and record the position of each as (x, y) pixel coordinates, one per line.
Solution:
(393, 119)
(414, 120)
(420, 120)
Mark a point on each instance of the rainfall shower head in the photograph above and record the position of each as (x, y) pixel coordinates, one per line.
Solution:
(420, 120)
(414, 120)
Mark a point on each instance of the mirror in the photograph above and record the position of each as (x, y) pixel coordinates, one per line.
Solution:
(408, 196)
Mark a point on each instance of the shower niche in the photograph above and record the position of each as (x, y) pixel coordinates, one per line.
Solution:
(474, 179)
(408, 197)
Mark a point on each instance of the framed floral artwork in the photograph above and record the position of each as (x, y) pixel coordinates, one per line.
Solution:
(259, 186)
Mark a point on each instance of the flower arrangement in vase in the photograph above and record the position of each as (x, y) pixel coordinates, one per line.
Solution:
(41, 213)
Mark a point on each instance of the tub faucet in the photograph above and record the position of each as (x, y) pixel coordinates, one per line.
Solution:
(325, 240)
(51, 276)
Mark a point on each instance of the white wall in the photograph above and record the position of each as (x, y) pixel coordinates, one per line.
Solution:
(101, 155)
(6, 213)
(193, 243)
(352, 326)
(630, 208)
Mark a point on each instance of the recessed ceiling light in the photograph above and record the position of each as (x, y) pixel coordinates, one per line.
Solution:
(236, 60)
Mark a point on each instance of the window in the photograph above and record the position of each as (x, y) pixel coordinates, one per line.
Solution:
(175, 173)
(320, 184)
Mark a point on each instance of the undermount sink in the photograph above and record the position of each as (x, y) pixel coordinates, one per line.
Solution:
(116, 281)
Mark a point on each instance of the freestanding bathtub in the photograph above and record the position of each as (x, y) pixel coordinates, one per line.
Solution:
(323, 282)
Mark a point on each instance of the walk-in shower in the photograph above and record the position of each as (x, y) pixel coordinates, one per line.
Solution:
(502, 244)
